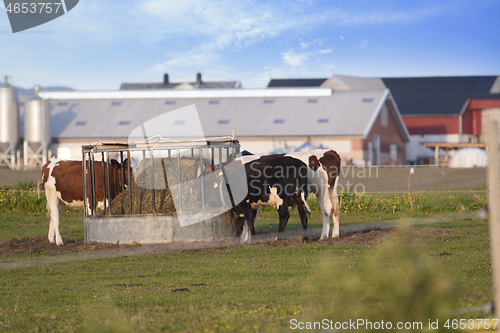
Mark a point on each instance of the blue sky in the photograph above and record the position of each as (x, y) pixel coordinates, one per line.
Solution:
(100, 44)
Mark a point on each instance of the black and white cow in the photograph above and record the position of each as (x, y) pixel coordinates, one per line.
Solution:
(275, 181)
(323, 173)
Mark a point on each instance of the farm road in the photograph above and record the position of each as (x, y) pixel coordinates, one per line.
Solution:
(362, 233)
(10, 177)
(383, 179)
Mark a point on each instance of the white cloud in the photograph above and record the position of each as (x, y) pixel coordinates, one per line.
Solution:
(136, 40)
(224, 23)
(293, 59)
(364, 44)
(216, 29)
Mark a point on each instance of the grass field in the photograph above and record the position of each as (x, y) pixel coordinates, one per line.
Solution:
(252, 288)
(413, 273)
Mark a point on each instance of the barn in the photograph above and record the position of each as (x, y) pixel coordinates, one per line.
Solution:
(445, 113)
(442, 114)
(358, 118)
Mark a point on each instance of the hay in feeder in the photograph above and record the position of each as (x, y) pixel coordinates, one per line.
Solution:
(165, 179)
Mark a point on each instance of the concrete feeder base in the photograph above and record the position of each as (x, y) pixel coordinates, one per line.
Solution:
(151, 229)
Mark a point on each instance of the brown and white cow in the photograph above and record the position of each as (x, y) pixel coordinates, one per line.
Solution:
(324, 170)
(63, 181)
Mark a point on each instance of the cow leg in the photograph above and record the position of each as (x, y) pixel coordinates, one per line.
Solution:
(60, 207)
(54, 208)
(248, 226)
(240, 223)
(303, 211)
(334, 198)
(255, 213)
(246, 236)
(51, 225)
(325, 206)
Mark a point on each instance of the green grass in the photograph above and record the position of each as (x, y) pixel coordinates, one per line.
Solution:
(249, 288)
(28, 225)
(443, 265)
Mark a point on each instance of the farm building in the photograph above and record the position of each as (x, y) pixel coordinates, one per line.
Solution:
(443, 113)
(166, 84)
(359, 119)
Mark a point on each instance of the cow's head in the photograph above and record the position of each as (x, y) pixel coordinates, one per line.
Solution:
(211, 187)
(223, 188)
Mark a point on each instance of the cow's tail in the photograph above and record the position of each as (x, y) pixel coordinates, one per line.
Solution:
(332, 192)
(332, 189)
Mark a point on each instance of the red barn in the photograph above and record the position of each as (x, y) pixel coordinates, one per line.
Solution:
(445, 111)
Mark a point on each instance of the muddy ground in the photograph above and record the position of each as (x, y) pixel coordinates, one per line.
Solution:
(40, 244)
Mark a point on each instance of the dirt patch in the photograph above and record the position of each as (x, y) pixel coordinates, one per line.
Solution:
(365, 237)
(40, 244)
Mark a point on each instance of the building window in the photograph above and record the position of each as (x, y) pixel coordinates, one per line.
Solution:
(179, 122)
(367, 100)
(213, 102)
(223, 121)
(124, 122)
(312, 100)
(81, 123)
(279, 121)
(268, 101)
(384, 115)
(169, 102)
(62, 103)
(116, 103)
(323, 120)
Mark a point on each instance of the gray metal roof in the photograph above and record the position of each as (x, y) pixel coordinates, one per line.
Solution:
(192, 85)
(166, 84)
(342, 82)
(336, 82)
(281, 83)
(343, 113)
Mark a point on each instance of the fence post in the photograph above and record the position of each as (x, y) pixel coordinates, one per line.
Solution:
(494, 200)
(38, 188)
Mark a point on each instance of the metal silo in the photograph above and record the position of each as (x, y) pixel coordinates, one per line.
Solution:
(9, 124)
(37, 131)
